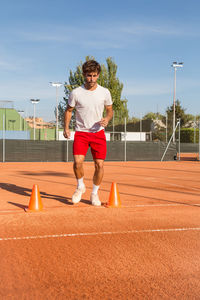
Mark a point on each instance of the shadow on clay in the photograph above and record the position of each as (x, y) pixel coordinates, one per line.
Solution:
(27, 193)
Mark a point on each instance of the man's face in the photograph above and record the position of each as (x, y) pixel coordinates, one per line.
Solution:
(91, 78)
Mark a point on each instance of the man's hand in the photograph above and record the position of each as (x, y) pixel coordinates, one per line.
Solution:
(104, 122)
(67, 118)
(66, 133)
(109, 114)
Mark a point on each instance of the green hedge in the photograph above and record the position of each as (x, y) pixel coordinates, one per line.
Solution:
(188, 135)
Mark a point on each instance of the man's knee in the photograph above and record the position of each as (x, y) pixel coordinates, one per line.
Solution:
(99, 164)
(78, 165)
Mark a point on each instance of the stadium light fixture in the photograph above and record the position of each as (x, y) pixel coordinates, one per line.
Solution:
(56, 85)
(34, 102)
(175, 65)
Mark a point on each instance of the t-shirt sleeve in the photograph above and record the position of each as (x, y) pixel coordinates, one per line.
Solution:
(108, 98)
(72, 99)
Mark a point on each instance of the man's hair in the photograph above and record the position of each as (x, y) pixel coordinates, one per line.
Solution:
(91, 66)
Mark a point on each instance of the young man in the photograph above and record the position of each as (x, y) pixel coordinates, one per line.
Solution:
(89, 101)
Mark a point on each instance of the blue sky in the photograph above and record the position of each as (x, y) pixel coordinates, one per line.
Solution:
(42, 40)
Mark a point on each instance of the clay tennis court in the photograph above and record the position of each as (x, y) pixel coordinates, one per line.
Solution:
(147, 249)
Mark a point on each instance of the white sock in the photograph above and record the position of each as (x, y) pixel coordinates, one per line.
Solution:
(95, 189)
(80, 183)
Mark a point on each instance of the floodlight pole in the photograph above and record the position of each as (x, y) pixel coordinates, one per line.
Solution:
(175, 65)
(57, 85)
(34, 102)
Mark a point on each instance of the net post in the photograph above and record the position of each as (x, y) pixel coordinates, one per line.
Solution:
(179, 139)
(169, 141)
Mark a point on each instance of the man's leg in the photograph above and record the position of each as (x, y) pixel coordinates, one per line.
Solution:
(99, 171)
(80, 147)
(78, 166)
(97, 179)
(79, 173)
(98, 149)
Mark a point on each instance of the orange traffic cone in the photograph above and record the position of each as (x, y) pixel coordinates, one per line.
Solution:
(35, 203)
(114, 198)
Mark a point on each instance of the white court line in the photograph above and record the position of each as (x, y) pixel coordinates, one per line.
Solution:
(11, 211)
(163, 205)
(154, 179)
(181, 186)
(97, 233)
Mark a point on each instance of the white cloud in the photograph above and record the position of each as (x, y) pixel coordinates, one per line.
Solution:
(98, 38)
(30, 88)
(9, 61)
(142, 29)
(141, 87)
(20, 92)
(103, 36)
(8, 65)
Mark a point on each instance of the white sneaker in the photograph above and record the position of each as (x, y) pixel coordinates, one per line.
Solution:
(78, 194)
(95, 200)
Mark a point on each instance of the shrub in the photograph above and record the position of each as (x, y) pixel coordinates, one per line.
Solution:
(187, 135)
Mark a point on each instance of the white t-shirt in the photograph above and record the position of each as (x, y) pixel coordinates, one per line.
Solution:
(89, 107)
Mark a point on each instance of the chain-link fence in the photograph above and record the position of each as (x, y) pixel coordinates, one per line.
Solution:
(26, 150)
(142, 139)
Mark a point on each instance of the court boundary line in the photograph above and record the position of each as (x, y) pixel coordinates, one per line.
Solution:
(98, 233)
(163, 205)
(13, 211)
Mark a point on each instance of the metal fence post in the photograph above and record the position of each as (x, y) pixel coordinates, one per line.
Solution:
(3, 138)
(199, 140)
(125, 139)
(113, 125)
(67, 151)
(194, 129)
(166, 127)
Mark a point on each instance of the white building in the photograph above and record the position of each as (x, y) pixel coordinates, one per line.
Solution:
(118, 136)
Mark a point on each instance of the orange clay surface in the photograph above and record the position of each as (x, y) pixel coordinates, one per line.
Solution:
(147, 249)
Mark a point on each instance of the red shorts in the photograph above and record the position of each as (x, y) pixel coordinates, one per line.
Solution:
(95, 140)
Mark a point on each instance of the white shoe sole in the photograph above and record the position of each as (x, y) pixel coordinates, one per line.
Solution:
(95, 200)
(76, 198)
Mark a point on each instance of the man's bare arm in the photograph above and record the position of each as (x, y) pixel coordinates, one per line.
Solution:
(109, 114)
(67, 119)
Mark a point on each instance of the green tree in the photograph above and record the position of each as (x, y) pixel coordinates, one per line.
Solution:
(154, 116)
(179, 114)
(107, 78)
(150, 116)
